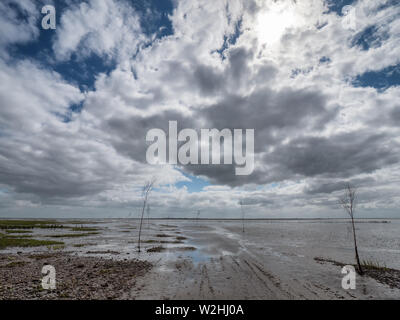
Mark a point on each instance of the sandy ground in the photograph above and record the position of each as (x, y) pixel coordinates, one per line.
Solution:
(216, 260)
(80, 278)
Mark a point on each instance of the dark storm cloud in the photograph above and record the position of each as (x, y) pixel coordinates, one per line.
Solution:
(268, 111)
(395, 116)
(208, 80)
(224, 174)
(341, 155)
(273, 115)
(319, 187)
(258, 200)
(128, 135)
(57, 172)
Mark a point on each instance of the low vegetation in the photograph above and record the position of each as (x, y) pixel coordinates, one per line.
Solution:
(56, 247)
(72, 235)
(185, 248)
(29, 224)
(84, 229)
(162, 241)
(156, 249)
(22, 241)
(373, 265)
(17, 231)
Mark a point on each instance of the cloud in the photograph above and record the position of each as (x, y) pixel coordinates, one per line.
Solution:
(324, 186)
(218, 66)
(343, 155)
(18, 22)
(110, 29)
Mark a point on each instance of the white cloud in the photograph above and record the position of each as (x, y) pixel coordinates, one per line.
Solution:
(110, 29)
(14, 29)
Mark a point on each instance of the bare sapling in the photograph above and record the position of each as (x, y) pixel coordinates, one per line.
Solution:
(148, 217)
(348, 202)
(145, 195)
(242, 210)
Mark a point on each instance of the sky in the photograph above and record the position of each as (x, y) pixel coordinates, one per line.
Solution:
(316, 80)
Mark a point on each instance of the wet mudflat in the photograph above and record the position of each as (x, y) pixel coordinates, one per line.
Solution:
(205, 259)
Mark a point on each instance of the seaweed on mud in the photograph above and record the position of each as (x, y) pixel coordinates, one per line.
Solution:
(156, 249)
(72, 235)
(185, 248)
(84, 229)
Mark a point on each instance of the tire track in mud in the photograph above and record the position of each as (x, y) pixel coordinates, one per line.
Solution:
(205, 282)
(269, 281)
(274, 280)
(254, 273)
(237, 273)
(251, 275)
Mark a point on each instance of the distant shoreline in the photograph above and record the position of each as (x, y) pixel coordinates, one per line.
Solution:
(199, 219)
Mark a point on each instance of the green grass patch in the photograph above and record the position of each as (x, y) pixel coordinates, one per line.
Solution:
(56, 247)
(11, 241)
(23, 236)
(29, 224)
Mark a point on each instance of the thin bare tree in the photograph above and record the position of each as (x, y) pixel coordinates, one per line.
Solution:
(242, 210)
(148, 217)
(145, 195)
(348, 202)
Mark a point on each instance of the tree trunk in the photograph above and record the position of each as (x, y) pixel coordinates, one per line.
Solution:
(141, 222)
(355, 247)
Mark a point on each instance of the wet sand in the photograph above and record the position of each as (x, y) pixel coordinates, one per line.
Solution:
(267, 261)
(208, 259)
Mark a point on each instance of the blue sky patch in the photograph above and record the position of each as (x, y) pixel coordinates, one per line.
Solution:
(370, 37)
(231, 40)
(381, 79)
(195, 185)
(337, 5)
(83, 71)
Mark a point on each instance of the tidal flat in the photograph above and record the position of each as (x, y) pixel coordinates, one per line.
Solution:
(198, 259)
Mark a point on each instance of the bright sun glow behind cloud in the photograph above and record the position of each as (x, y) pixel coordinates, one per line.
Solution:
(274, 21)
